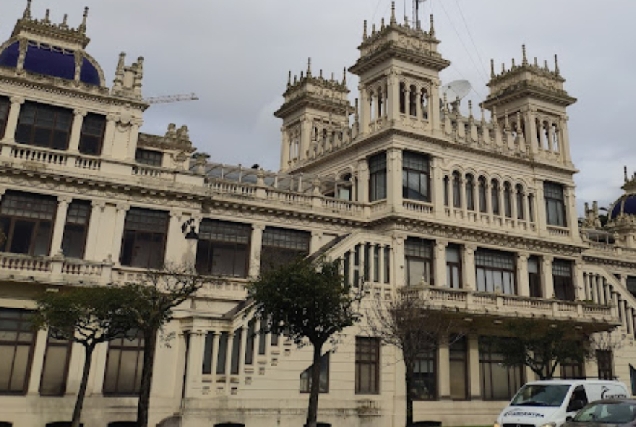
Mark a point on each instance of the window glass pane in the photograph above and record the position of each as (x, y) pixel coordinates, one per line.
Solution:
(208, 348)
(149, 157)
(44, 125)
(55, 369)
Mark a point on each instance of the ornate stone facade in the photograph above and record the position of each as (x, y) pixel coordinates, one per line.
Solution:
(476, 213)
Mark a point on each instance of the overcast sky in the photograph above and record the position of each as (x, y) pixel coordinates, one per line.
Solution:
(235, 54)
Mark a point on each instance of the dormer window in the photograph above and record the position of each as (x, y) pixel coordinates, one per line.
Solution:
(149, 157)
(92, 137)
(44, 126)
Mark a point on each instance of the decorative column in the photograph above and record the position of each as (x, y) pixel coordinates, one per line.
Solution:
(195, 364)
(12, 119)
(242, 350)
(540, 209)
(215, 354)
(94, 228)
(526, 208)
(434, 107)
(513, 204)
(579, 281)
(418, 105)
(304, 139)
(468, 267)
(58, 228)
(440, 263)
(546, 279)
(437, 186)
(523, 284)
(564, 139)
(256, 242)
(407, 99)
(109, 135)
(397, 260)
(371, 262)
(444, 373)
(362, 191)
(394, 178)
(531, 130)
(381, 267)
(572, 217)
(364, 110)
(38, 361)
(118, 233)
(473, 367)
(393, 89)
(489, 210)
(462, 194)
(228, 356)
(76, 131)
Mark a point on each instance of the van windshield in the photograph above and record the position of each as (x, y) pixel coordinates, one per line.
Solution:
(541, 395)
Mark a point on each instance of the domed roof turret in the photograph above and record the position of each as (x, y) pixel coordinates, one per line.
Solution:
(626, 204)
(56, 50)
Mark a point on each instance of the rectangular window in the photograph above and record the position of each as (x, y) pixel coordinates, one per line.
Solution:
(55, 367)
(572, 369)
(17, 341)
(534, 277)
(144, 239)
(495, 271)
(208, 349)
(604, 361)
(453, 267)
(221, 363)
(5, 105)
(415, 176)
(458, 355)
(149, 157)
(124, 363)
(377, 177)
(223, 248)
(76, 229)
(425, 376)
(418, 257)
(92, 136)
(367, 365)
(387, 264)
(562, 279)
(27, 222)
(305, 376)
(44, 126)
(554, 204)
(498, 382)
(282, 246)
(376, 263)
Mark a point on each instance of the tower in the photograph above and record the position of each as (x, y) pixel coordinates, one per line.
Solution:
(529, 101)
(315, 117)
(399, 69)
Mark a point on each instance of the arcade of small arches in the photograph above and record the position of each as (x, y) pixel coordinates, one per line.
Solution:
(413, 100)
(547, 131)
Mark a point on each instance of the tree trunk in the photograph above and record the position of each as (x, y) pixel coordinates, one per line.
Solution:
(312, 410)
(408, 381)
(150, 345)
(79, 403)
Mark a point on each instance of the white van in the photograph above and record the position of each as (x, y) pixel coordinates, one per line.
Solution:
(550, 403)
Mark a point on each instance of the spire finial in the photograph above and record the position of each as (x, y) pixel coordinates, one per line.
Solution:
(536, 62)
(492, 68)
(525, 58)
(289, 79)
(393, 20)
(503, 67)
(309, 67)
(373, 29)
(513, 63)
(364, 33)
(47, 16)
(382, 24)
(625, 172)
(556, 64)
(432, 29)
(344, 76)
(27, 10)
(65, 20)
(545, 64)
(470, 109)
(82, 27)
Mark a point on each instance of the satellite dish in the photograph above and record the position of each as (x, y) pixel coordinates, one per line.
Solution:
(456, 89)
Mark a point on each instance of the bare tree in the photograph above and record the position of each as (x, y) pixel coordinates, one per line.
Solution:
(151, 307)
(414, 327)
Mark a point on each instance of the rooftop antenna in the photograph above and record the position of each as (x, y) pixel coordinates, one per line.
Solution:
(416, 13)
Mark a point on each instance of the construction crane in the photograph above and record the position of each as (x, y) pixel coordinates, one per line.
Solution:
(171, 98)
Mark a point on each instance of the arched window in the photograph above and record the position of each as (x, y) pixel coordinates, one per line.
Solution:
(507, 200)
(494, 195)
(402, 98)
(457, 199)
(424, 103)
(446, 195)
(413, 101)
(470, 192)
(519, 200)
(482, 195)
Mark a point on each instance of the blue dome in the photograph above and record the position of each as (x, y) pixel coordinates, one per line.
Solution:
(626, 204)
(50, 61)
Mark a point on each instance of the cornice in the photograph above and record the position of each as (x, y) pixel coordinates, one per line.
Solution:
(391, 50)
(526, 89)
(309, 101)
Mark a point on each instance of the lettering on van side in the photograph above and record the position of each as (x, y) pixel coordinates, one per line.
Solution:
(606, 395)
(518, 413)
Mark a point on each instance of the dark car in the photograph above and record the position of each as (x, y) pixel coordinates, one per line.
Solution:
(614, 412)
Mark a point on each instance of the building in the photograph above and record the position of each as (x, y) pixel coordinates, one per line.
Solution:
(477, 214)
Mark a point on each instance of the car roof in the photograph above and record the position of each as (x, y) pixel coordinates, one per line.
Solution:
(624, 400)
(570, 382)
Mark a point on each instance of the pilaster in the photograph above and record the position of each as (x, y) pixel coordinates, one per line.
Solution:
(473, 367)
(440, 263)
(523, 284)
(394, 178)
(76, 131)
(546, 276)
(38, 362)
(468, 267)
(118, 234)
(256, 242)
(397, 259)
(444, 373)
(58, 228)
(12, 119)
(195, 364)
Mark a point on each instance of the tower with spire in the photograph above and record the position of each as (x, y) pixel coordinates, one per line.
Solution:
(529, 100)
(315, 116)
(399, 68)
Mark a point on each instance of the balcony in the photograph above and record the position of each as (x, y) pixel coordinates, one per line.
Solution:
(53, 270)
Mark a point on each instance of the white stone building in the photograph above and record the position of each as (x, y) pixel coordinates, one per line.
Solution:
(478, 214)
